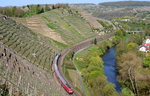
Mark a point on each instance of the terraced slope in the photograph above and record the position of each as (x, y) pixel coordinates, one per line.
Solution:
(93, 20)
(37, 49)
(23, 78)
(65, 25)
(38, 25)
(71, 26)
(25, 61)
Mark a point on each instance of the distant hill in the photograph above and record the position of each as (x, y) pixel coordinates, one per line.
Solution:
(126, 3)
(109, 10)
(87, 7)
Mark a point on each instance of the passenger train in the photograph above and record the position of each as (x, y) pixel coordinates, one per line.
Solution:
(63, 82)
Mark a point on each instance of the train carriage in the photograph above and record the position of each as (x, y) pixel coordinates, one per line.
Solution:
(63, 82)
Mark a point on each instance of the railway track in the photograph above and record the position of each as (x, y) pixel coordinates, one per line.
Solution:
(76, 48)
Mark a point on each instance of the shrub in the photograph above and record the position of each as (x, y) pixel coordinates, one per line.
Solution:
(147, 62)
(127, 92)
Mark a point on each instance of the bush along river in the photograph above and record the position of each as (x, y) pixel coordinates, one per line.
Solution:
(109, 59)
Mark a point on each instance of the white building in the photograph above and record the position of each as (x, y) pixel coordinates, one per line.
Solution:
(143, 49)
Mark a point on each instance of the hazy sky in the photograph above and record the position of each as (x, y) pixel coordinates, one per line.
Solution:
(25, 2)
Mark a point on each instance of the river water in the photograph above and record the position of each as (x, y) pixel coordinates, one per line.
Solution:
(110, 68)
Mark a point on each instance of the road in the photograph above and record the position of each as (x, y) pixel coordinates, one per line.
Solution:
(78, 47)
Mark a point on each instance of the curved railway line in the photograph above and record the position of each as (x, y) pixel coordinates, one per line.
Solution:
(74, 48)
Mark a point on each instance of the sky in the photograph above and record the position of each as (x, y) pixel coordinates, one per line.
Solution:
(26, 2)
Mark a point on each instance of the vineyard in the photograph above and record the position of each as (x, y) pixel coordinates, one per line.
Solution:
(69, 23)
(67, 26)
(23, 56)
(32, 47)
(26, 56)
(21, 78)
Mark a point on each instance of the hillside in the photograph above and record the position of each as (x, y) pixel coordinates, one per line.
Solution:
(87, 7)
(126, 4)
(32, 35)
(24, 42)
(91, 19)
(26, 59)
(38, 25)
(19, 77)
(28, 46)
(110, 10)
(64, 25)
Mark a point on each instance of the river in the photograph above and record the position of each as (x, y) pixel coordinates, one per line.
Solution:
(110, 68)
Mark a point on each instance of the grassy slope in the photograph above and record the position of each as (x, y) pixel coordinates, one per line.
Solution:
(70, 25)
(67, 25)
(38, 25)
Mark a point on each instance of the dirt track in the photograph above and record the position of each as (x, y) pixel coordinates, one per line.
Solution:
(78, 47)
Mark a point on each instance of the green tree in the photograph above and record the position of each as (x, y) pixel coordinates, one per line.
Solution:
(19, 12)
(120, 33)
(131, 46)
(127, 92)
(41, 11)
(147, 62)
(47, 8)
(138, 38)
(13, 12)
(95, 41)
(38, 9)
(6, 11)
(53, 7)
(109, 90)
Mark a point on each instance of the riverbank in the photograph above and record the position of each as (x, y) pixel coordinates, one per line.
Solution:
(90, 64)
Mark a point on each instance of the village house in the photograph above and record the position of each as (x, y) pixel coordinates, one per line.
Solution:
(145, 46)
